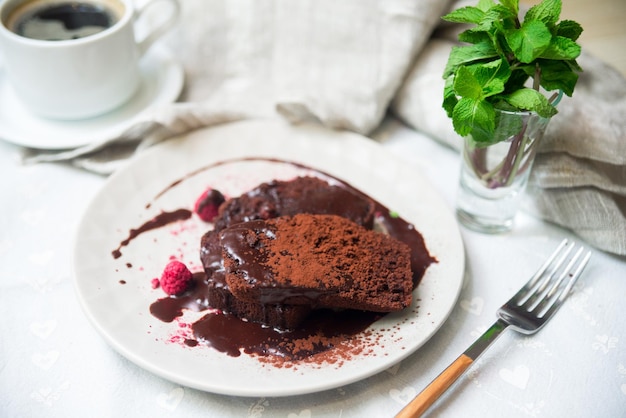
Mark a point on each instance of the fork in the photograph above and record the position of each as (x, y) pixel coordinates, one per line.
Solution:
(526, 312)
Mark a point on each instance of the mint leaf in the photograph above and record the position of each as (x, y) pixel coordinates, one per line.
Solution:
(512, 5)
(518, 78)
(548, 12)
(532, 100)
(558, 75)
(505, 124)
(529, 41)
(569, 29)
(449, 96)
(485, 5)
(491, 75)
(561, 48)
(467, 14)
(494, 16)
(482, 138)
(470, 113)
(573, 65)
(466, 54)
(474, 36)
(467, 85)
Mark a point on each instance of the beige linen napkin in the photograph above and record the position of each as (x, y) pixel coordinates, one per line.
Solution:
(579, 177)
(337, 62)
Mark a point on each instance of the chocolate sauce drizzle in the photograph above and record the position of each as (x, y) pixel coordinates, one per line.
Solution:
(229, 334)
(161, 220)
(322, 331)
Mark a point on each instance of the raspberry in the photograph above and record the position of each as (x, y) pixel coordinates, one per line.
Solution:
(175, 278)
(208, 203)
(155, 283)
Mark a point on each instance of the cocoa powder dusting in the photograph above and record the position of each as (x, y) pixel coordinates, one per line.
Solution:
(322, 260)
(311, 265)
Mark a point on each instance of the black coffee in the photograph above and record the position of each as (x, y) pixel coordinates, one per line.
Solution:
(63, 21)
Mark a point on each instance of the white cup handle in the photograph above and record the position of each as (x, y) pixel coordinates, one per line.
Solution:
(161, 28)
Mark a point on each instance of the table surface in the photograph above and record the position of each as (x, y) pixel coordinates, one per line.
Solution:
(53, 363)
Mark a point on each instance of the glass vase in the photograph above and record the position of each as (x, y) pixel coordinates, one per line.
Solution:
(494, 173)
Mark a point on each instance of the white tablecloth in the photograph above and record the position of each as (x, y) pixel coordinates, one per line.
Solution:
(54, 364)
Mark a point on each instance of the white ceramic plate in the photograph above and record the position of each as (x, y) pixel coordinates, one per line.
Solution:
(162, 82)
(137, 193)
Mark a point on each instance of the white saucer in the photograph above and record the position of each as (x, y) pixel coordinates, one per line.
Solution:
(162, 83)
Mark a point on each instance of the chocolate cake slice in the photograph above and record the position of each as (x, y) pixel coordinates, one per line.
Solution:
(291, 197)
(269, 200)
(219, 296)
(324, 261)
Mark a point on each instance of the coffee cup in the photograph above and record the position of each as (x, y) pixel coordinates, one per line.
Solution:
(73, 60)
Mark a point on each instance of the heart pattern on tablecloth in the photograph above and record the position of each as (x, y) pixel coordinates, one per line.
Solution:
(48, 396)
(517, 377)
(46, 360)
(306, 413)
(45, 396)
(604, 343)
(257, 408)
(393, 370)
(474, 306)
(43, 329)
(44, 284)
(403, 396)
(170, 400)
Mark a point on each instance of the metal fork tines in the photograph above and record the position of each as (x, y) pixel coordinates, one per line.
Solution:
(535, 303)
(526, 312)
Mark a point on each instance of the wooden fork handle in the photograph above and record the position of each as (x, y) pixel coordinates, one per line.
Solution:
(436, 388)
(442, 382)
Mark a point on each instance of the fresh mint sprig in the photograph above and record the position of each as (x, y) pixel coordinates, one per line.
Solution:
(500, 56)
